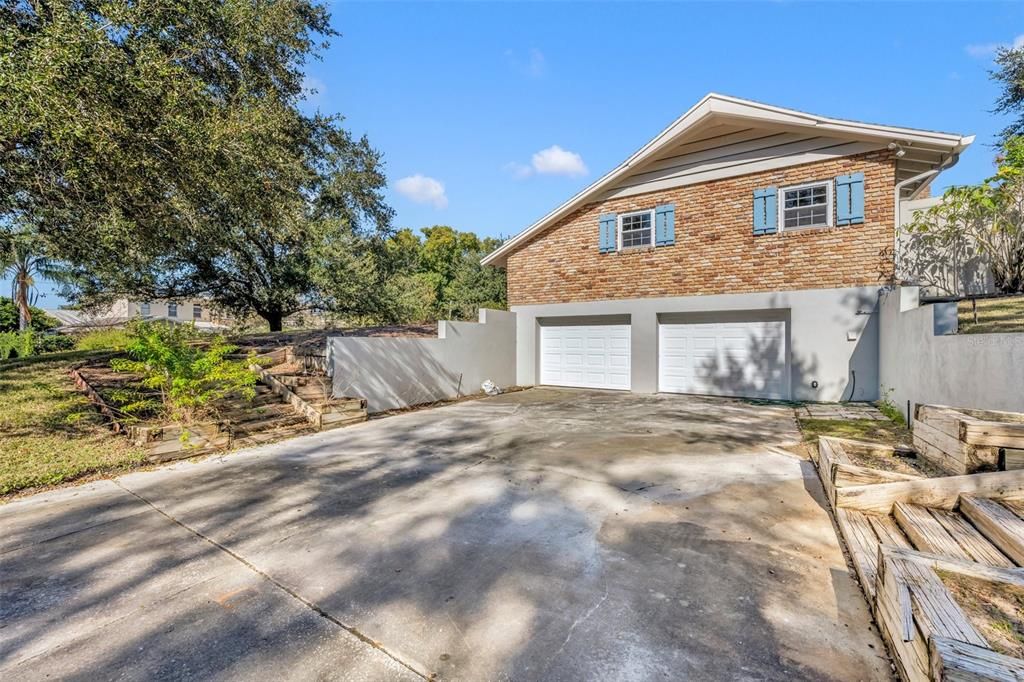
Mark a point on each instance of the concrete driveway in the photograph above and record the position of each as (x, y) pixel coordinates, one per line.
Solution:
(547, 534)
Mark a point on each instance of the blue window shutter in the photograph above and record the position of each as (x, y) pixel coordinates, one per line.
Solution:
(665, 225)
(850, 199)
(606, 237)
(765, 211)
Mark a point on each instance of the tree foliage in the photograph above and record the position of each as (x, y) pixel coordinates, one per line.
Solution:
(439, 275)
(1010, 76)
(161, 149)
(982, 223)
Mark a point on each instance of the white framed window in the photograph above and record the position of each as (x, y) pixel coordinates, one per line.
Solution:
(144, 309)
(636, 229)
(172, 310)
(804, 206)
(197, 312)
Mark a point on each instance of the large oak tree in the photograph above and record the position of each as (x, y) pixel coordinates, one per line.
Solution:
(160, 148)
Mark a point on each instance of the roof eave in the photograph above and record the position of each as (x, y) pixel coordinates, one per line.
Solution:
(714, 104)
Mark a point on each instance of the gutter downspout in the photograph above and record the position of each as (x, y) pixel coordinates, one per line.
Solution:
(897, 218)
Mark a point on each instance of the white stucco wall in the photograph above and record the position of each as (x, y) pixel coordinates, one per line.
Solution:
(982, 371)
(833, 334)
(396, 372)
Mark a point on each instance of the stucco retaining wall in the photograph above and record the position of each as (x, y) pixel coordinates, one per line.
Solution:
(921, 362)
(397, 372)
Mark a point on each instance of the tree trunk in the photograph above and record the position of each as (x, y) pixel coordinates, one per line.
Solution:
(275, 320)
(24, 311)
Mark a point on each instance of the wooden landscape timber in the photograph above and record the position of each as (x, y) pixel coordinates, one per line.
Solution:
(943, 493)
(329, 414)
(963, 440)
(276, 411)
(901, 534)
(836, 470)
(928, 632)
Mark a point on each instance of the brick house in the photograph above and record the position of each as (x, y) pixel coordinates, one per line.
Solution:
(740, 252)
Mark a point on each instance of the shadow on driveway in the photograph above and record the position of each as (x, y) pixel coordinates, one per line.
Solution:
(547, 534)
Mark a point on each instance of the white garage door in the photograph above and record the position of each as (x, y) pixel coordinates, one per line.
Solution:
(746, 359)
(591, 356)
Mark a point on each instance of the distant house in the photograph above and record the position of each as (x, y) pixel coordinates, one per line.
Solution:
(195, 311)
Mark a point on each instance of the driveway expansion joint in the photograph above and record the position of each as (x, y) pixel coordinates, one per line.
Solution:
(312, 606)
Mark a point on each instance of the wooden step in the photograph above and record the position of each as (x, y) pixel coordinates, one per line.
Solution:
(997, 523)
(863, 545)
(263, 437)
(254, 414)
(925, 532)
(252, 426)
(888, 531)
(968, 537)
(954, 660)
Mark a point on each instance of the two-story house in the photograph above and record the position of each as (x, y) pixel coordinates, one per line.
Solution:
(740, 252)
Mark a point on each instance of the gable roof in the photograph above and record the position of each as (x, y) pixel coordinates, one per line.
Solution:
(736, 121)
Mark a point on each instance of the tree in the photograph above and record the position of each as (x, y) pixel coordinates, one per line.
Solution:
(23, 259)
(984, 220)
(162, 151)
(440, 275)
(1010, 76)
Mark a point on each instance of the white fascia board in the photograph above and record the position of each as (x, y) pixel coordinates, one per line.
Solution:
(714, 104)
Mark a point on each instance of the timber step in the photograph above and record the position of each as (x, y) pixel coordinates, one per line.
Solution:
(948, 533)
(275, 423)
(998, 523)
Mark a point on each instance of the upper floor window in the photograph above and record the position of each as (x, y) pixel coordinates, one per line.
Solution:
(197, 312)
(172, 310)
(144, 309)
(807, 205)
(636, 229)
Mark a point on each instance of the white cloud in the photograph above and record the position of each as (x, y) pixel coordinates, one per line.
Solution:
(557, 161)
(517, 170)
(986, 50)
(423, 190)
(551, 161)
(532, 64)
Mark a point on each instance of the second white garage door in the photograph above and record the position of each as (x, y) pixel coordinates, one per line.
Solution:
(585, 356)
(744, 359)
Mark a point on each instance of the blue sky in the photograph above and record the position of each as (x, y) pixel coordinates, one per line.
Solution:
(466, 94)
(491, 114)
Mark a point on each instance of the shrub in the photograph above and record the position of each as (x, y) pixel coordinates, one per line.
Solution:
(41, 322)
(189, 372)
(19, 344)
(53, 343)
(103, 339)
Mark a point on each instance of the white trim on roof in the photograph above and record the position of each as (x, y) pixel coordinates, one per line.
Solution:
(714, 104)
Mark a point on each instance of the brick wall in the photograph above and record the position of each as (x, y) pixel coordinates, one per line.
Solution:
(715, 251)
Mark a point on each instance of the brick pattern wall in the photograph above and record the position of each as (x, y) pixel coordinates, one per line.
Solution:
(715, 250)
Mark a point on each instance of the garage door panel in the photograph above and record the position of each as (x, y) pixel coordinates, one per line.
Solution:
(586, 356)
(737, 359)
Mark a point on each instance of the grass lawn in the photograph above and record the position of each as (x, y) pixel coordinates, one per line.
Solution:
(994, 315)
(49, 433)
(871, 430)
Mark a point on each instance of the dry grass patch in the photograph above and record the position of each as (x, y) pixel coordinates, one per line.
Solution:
(995, 610)
(995, 315)
(49, 432)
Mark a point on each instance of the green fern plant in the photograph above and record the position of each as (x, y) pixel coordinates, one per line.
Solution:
(189, 371)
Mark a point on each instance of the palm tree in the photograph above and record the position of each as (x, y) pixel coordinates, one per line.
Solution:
(23, 258)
